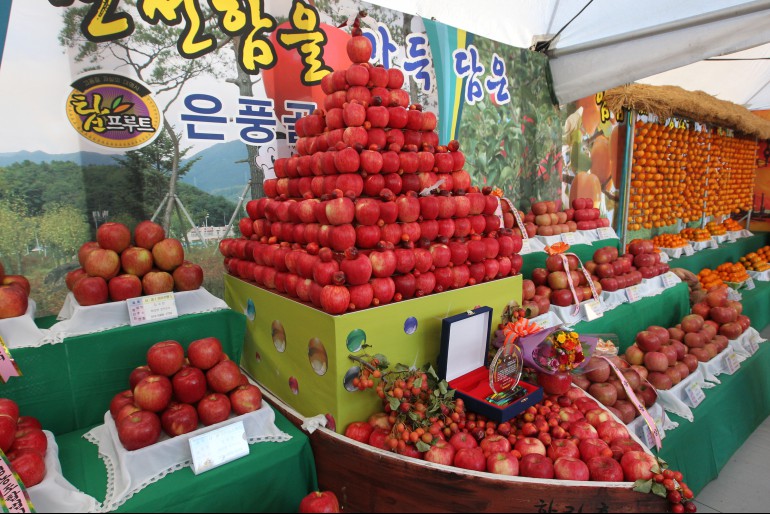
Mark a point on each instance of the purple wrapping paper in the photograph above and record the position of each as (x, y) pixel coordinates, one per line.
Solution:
(530, 345)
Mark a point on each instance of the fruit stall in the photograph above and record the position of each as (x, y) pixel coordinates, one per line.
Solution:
(402, 320)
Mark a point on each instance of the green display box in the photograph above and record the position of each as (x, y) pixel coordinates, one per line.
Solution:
(301, 354)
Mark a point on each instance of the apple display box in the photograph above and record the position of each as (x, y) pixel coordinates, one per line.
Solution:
(464, 363)
(302, 355)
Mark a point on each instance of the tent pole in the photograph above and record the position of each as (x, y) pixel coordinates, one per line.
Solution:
(625, 178)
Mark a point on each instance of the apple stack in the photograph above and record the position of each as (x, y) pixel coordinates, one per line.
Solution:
(114, 270)
(14, 294)
(175, 395)
(664, 358)
(552, 283)
(551, 222)
(371, 209)
(536, 300)
(726, 316)
(647, 258)
(23, 441)
(601, 382)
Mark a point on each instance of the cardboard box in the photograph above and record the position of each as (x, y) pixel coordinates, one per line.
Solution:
(301, 354)
(464, 363)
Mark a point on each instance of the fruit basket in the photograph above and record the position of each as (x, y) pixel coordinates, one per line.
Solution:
(21, 331)
(131, 471)
(75, 319)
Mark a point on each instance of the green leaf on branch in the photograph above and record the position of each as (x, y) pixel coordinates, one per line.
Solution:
(418, 382)
(659, 490)
(414, 416)
(643, 486)
(400, 368)
(432, 372)
(382, 360)
(422, 446)
(394, 403)
(442, 386)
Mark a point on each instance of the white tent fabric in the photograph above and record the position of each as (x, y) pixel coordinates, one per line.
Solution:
(612, 42)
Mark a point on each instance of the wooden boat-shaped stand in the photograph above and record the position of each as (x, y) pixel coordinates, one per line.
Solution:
(367, 479)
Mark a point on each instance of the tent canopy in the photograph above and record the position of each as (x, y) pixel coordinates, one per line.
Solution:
(599, 44)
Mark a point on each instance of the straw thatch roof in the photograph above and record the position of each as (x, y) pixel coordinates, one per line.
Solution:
(667, 101)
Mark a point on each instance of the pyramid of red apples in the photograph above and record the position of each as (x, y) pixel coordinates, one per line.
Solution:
(371, 209)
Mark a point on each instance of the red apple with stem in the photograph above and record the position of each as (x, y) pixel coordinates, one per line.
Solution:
(153, 393)
(179, 418)
(205, 353)
(165, 358)
(139, 430)
(214, 408)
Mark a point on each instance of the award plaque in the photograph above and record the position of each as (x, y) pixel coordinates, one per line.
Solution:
(505, 370)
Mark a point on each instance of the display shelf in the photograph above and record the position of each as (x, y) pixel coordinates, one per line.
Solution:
(729, 252)
(725, 419)
(69, 385)
(756, 304)
(627, 320)
(272, 478)
(584, 252)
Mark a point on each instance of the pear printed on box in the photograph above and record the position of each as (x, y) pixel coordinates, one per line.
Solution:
(251, 311)
(316, 353)
(356, 340)
(347, 381)
(294, 385)
(279, 336)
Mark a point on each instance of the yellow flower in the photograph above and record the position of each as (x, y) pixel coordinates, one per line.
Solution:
(573, 335)
(562, 337)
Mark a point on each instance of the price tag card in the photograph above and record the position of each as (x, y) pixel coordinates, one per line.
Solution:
(670, 280)
(218, 447)
(149, 309)
(750, 284)
(8, 366)
(593, 310)
(634, 294)
(545, 321)
(525, 246)
(570, 238)
(695, 394)
(606, 233)
(732, 363)
(689, 250)
(752, 347)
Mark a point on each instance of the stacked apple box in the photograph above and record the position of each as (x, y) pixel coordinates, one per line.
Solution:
(371, 211)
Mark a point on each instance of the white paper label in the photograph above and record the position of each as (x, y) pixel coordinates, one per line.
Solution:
(593, 310)
(525, 248)
(732, 363)
(649, 440)
(752, 347)
(544, 321)
(218, 447)
(570, 238)
(670, 280)
(689, 250)
(606, 233)
(695, 394)
(750, 284)
(731, 237)
(148, 309)
(713, 244)
(634, 294)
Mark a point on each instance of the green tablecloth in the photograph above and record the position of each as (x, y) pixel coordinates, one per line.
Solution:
(756, 305)
(729, 252)
(274, 477)
(627, 320)
(725, 419)
(584, 252)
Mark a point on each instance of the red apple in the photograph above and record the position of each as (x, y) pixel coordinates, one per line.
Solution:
(102, 263)
(224, 377)
(30, 467)
(637, 465)
(470, 458)
(147, 234)
(188, 277)
(359, 431)
(569, 468)
(463, 440)
(157, 282)
(136, 261)
(14, 302)
(153, 393)
(503, 463)
(28, 422)
(137, 375)
(605, 469)
(179, 418)
(528, 445)
(246, 398)
(563, 448)
(321, 501)
(494, 444)
(213, 409)
(604, 392)
(205, 353)
(535, 465)
(119, 401)
(124, 287)
(168, 254)
(113, 236)
(441, 453)
(590, 448)
(624, 445)
(165, 358)
(73, 277)
(189, 385)
(139, 430)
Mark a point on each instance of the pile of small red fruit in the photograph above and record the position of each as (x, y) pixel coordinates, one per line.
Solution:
(661, 356)
(621, 271)
(114, 270)
(349, 223)
(552, 282)
(23, 441)
(176, 394)
(14, 294)
(601, 382)
(550, 222)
